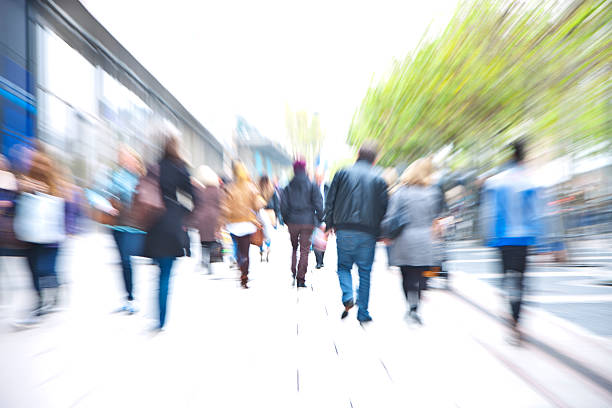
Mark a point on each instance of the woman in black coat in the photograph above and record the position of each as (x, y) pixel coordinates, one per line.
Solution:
(167, 239)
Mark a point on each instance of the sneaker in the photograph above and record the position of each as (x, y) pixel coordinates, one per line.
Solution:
(121, 309)
(414, 315)
(33, 319)
(130, 307)
(516, 336)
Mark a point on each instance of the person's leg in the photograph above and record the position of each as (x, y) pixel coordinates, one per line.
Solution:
(50, 271)
(510, 276)
(244, 243)
(32, 256)
(345, 245)
(364, 257)
(235, 247)
(305, 235)
(294, 235)
(165, 269)
(405, 279)
(411, 283)
(206, 248)
(318, 258)
(122, 240)
(519, 265)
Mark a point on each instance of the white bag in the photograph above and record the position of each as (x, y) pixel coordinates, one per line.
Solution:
(266, 224)
(40, 218)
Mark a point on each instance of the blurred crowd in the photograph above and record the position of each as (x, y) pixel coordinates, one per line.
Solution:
(150, 207)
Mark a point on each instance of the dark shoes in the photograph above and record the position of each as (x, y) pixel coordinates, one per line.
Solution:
(301, 284)
(319, 266)
(347, 306)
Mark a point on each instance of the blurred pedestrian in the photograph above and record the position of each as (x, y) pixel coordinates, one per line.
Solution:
(40, 222)
(9, 244)
(302, 209)
(128, 238)
(355, 206)
(206, 216)
(413, 207)
(76, 203)
(271, 212)
(323, 189)
(511, 219)
(167, 238)
(239, 211)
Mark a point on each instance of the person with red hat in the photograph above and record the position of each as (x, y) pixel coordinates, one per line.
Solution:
(302, 210)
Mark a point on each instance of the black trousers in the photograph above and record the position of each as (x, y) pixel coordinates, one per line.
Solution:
(412, 278)
(319, 257)
(514, 263)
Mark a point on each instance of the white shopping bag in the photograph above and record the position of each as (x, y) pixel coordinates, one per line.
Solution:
(40, 218)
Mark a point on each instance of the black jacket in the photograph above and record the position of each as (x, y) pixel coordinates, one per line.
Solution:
(357, 199)
(301, 202)
(168, 236)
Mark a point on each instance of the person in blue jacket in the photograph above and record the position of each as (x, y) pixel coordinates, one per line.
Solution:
(511, 221)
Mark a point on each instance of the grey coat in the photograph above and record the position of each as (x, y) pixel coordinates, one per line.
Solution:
(420, 207)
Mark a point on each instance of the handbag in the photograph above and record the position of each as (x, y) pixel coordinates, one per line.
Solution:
(101, 207)
(319, 240)
(257, 238)
(147, 204)
(8, 239)
(40, 218)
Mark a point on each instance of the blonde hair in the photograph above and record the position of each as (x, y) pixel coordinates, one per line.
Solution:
(390, 176)
(240, 171)
(418, 173)
(207, 176)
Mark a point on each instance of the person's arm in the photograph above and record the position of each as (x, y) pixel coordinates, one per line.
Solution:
(390, 214)
(330, 202)
(284, 204)
(317, 202)
(383, 196)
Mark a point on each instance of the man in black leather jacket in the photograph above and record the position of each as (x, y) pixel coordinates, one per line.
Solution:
(355, 206)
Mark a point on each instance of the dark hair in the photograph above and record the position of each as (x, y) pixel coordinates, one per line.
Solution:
(172, 150)
(368, 151)
(518, 150)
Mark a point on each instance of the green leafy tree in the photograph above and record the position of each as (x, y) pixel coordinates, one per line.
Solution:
(498, 70)
(305, 134)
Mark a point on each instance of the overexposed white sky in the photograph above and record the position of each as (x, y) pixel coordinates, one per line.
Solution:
(243, 57)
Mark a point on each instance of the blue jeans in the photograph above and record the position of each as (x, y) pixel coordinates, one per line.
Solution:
(165, 269)
(129, 244)
(355, 247)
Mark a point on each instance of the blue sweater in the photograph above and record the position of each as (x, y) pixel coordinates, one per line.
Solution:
(511, 210)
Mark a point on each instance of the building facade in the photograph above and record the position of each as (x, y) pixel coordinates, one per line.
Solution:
(66, 81)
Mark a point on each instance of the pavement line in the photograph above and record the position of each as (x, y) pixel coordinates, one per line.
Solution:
(565, 359)
(542, 274)
(539, 388)
(568, 298)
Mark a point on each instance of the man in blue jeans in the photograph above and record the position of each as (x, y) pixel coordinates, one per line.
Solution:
(354, 207)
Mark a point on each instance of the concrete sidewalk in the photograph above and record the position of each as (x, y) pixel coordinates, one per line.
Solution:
(269, 346)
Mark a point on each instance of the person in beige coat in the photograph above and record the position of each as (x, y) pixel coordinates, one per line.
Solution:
(239, 213)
